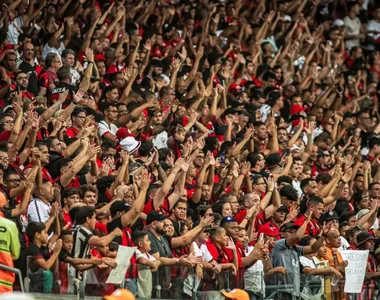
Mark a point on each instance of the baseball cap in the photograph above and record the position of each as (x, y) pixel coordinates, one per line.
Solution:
(119, 206)
(130, 144)
(330, 216)
(338, 23)
(287, 226)
(237, 294)
(120, 294)
(364, 237)
(154, 216)
(296, 109)
(269, 230)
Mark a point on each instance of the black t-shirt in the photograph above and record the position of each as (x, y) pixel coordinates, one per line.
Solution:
(111, 226)
(34, 253)
(28, 69)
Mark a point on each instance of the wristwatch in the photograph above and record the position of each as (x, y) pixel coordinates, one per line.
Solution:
(177, 261)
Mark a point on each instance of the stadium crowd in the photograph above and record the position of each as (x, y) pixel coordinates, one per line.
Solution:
(234, 143)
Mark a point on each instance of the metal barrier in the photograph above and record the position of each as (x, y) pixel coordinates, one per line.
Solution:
(176, 282)
(16, 271)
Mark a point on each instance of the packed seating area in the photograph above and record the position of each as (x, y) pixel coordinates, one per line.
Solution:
(190, 149)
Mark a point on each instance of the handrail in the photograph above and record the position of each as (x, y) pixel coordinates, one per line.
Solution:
(16, 271)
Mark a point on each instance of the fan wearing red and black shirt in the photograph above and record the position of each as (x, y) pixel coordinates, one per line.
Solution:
(64, 77)
(22, 83)
(226, 258)
(70, 196)
(158, 200)
(78, 117)
(49, 79)
(315, 207)
(231, 227)
(44, 158)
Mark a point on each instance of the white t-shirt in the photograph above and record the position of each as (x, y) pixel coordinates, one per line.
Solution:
(254, 275)
(38, 211)
(144, 255)
(104, 128)
(373, 26)
(47, 49)
(160, 140)
(307, 293)
(353, 28)
(13, 33)
(191, 283)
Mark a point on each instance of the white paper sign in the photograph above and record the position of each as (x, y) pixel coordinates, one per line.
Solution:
(355, 270)
(123, 258)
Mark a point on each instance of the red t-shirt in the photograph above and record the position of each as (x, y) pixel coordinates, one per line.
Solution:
(221, 256)
(164, 207)
(312, 228)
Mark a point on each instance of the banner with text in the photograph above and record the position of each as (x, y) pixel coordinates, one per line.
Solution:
(355, 270)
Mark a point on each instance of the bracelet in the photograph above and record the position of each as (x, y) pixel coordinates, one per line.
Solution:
(90, 62)
(246, 218)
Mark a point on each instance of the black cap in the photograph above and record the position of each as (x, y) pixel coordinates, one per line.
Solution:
(273, 159)
(154, 216)
(364, 237)
(330, 216)
(287, 226)
(118, 206)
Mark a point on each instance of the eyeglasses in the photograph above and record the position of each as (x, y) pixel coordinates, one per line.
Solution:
(9, 122)
(3, 158)
(14, 180)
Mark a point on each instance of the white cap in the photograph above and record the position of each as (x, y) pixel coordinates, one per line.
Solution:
(287, 18)
(130, 144)
(166, 78)
(338, 22)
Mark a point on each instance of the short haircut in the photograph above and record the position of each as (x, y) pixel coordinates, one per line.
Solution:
(70, 191)
(66, 232)
(178, 202)
(50, 59)
(323, 177)
(107, 105)
(305, 182)
(289, 192)
(216, 231)
(63, 73)
(85, 188)
(83, 213)
(145, 148)
(315, 200)
(138, 236)
(284, 178)
(77, 110)
(67, 52)
(33, 228)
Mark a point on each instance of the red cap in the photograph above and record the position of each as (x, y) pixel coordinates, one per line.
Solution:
(122, 133)
(269, 229)
(295, 109)
(235, 87)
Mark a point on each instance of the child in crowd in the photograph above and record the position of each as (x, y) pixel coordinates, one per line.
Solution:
(148, 264)
(68, 264)
(40, 261)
